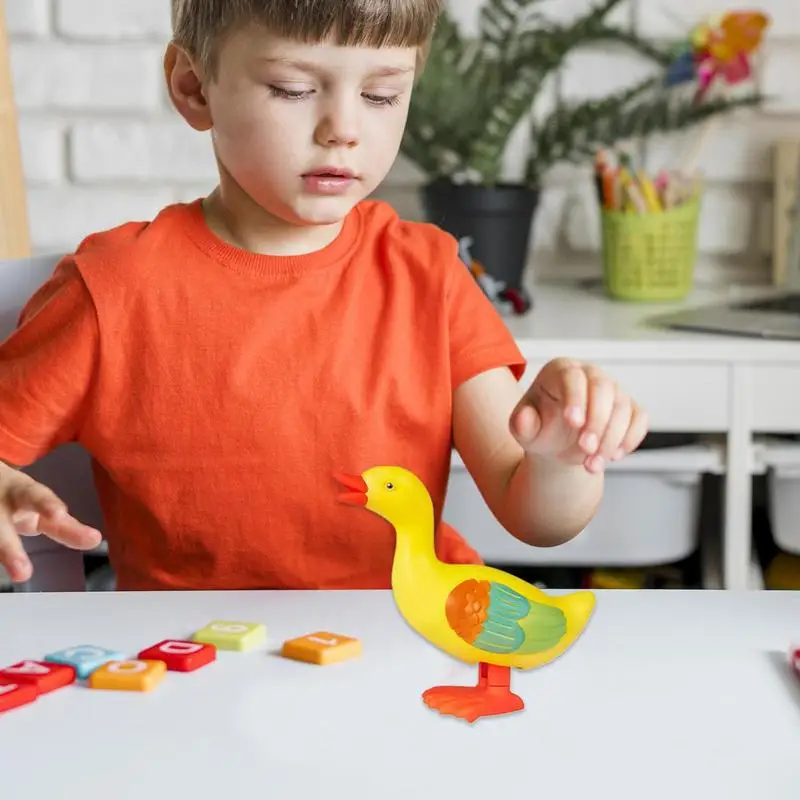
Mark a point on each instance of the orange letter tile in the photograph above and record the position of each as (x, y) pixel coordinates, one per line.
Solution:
(134, 676)
(322, 648)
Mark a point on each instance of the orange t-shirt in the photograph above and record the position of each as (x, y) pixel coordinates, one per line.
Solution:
(219, 390)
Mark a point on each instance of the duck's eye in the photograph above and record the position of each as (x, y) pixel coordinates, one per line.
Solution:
(389, 485)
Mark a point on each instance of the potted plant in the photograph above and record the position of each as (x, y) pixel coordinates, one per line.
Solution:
(474, 93)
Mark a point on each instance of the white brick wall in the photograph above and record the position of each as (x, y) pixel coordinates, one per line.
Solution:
(28, 18)
(101, 145)
(155, 152)
(102, 20)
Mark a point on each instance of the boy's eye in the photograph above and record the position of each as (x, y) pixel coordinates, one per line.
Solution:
(301, 94)
(288, 94)
(381, 100)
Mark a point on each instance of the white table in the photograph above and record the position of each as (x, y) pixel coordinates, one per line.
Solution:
(667, 694)
(688, 382)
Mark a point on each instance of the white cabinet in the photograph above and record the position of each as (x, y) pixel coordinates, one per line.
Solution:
(649, 515)
(782, 462)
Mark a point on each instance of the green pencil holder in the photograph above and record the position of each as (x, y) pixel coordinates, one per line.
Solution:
(651, 256)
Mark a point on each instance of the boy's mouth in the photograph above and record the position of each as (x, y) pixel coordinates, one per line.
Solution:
(330, 172)
(329, 181)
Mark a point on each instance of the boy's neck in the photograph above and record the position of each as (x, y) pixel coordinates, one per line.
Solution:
(236, 219)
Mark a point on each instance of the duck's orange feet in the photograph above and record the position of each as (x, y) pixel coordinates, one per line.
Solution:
(491, 697)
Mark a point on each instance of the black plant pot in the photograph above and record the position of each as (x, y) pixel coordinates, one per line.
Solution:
(497, 219)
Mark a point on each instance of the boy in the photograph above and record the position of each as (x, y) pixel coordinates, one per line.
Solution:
(222, 361)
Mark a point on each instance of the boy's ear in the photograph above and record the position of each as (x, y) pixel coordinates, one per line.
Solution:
(185, 86)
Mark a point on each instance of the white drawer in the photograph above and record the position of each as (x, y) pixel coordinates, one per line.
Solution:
(782, 460)
(775, 407)
(649, 515)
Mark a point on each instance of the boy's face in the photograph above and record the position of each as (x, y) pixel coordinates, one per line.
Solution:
(307, 131)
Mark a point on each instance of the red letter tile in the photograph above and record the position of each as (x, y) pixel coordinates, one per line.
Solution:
(14, 695)
(180, 655)
(44, 676)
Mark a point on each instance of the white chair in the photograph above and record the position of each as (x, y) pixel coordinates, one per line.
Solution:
(67, 470)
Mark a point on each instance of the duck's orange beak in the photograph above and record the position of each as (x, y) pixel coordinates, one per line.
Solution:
(357, 496)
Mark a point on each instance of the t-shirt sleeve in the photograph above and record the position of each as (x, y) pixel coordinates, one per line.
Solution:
(46, 368)
(479, 337)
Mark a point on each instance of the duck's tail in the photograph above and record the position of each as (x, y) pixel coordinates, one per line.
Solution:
(578, 605)
(552, 628)
(556, 624)
(578, 608)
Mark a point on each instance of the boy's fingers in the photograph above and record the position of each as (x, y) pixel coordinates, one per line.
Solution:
(636, 432)
(575, 389)
(26, 523)
(13, 557)
(66, 530)
(53, 520)
(602, 393)
(31, 496)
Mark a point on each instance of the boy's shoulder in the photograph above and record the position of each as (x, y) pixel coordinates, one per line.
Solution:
(420, 248)
(130, 259)
(382, 220)
(116, 244)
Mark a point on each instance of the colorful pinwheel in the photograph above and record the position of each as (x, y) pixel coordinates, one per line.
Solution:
(719, 48)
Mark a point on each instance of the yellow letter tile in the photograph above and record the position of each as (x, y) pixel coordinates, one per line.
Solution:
(133, 676)
(322, 648)
(226, 635)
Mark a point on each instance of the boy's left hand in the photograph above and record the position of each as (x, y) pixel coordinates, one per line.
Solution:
(577, 414)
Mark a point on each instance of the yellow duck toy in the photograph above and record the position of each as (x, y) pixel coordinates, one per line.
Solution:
(476, 614)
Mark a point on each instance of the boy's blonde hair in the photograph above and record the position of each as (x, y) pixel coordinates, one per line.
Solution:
(199, 26)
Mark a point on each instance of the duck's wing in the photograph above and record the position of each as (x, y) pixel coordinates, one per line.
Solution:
(494, 617)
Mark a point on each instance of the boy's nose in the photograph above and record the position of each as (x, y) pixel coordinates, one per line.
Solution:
(337, 130)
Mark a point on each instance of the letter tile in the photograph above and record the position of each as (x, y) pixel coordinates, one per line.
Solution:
(180, 655)
(45, 677)
(227, 635)
(322, 648)
(85, 658)
(14, 694)
(135, 675)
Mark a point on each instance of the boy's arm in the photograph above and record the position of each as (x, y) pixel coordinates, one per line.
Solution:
(538, 457)
(537, 472)
(47, 366)
(46, 369)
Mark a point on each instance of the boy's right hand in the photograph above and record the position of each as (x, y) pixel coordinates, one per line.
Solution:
(28, 508)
